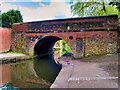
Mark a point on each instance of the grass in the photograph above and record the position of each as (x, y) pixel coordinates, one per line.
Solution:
(13, 52)
(90, 57)
(16, 52)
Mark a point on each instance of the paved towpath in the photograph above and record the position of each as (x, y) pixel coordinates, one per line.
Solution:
(12, 57)
(83, 73)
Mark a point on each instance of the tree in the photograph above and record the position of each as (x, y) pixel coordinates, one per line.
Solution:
(92, 8)
(117, 4)
(10, 17)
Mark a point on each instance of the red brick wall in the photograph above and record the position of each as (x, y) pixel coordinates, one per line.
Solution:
(103, 23)
(87, 35)
(5, 39)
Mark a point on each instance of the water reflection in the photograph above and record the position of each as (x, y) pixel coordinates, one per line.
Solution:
(36, 73)
(49, 68)
(5, 74)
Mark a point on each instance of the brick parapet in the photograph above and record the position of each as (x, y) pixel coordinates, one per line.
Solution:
(93, 23)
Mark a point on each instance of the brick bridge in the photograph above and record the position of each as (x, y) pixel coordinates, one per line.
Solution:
(86, 36)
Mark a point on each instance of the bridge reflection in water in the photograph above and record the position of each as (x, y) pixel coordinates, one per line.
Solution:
(36, 73)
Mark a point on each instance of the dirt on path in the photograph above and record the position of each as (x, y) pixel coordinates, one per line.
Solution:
(92, 72)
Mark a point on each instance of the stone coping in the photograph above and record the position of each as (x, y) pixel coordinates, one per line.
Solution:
(12, 58)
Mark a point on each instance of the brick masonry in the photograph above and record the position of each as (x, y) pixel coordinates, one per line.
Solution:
(87, 35)
(5, 39)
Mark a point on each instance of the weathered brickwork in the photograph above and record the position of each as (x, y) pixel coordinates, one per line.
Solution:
(95, 46)
(91, 23)
(87, 36)
(19, 42)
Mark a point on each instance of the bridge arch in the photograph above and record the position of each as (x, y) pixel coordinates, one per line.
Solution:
(45, 44)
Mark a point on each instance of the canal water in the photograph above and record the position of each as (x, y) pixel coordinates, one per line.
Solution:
(35, 73)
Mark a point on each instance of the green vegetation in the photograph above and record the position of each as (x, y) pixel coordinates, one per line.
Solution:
(10, 85)
(14, 52)
(65, 48)
(93, 8)
(63, 51)
(10, 17)
(97, 75)
(66, 24)
(117, 4)
(0, 20)
(90, 57)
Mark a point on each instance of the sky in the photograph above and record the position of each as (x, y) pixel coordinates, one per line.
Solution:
(38, 10)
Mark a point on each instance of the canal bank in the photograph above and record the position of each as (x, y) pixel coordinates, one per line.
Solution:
(32, 73)
(6, 58)
(13, 57)
(92, 72)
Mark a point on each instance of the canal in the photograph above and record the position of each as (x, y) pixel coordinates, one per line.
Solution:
(39, 72)
(35, 73)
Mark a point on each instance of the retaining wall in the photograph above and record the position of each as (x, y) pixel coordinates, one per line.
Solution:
(5, 39)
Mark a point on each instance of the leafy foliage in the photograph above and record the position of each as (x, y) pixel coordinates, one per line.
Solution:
(92, 8)
(10, 85)
(117, 5)
(10, 17)
(65, 47)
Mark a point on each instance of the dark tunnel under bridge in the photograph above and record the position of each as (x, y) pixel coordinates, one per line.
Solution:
(45, 45)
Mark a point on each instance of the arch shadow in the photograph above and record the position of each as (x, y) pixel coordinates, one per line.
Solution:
(45, 45)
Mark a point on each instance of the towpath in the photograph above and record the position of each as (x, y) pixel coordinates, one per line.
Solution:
(92, 72)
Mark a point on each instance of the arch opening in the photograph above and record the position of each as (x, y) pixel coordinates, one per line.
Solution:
(46, 45)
